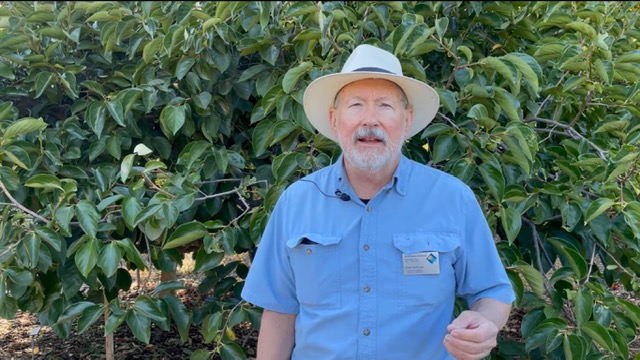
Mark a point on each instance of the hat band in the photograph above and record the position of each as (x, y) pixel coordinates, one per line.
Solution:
(373, 69)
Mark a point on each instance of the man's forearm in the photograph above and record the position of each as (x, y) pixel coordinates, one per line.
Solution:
(496, 311)
(276, 338)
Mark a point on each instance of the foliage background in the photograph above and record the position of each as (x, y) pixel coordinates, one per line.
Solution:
(135, 132)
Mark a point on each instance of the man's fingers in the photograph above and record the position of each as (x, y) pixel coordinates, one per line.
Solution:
(461, 349)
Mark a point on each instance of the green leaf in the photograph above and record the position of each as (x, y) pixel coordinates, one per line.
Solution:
(88, 317)
(448, 99)
(86, 257)
(597, 207)
(42, 81)
(180, 315)
(210, 326)
(583, 28)
(172, 119)
(44, 181)
(576, 261)
(109, 258)
(72, 311)
(284, 165)
(584, 306)
(146, 213)
(511, 222)
(131, 253)
(116, 110)
(183, 66)
(88, 217)
(95, 116)
(151, 49)
(571, 214)
(125, 167)
(20, 277)
(232, 351)
(598, 333)
(630, 309)
(145, 305)
(168, 286)
(201, 354)
(23, 126)
(533, 277)
(203, 100)
(261, 137)
(493, 179)
(50, 237)
(441, 26)
(444, 146)
(130, 209)
(140, 326)
(185, 234)
(525, 69)
(293, 75)
(508, 103)
(574, 346)
(205, 262)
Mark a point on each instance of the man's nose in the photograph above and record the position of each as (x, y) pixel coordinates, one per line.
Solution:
(371, 116)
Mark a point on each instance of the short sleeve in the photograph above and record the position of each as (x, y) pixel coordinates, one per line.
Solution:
(270, 283)
(479, 271)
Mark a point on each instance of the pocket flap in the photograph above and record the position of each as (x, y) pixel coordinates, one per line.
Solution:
(315, 239)
(418, 242)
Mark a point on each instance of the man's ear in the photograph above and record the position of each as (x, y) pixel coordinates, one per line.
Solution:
(333, 121)
(409, 121)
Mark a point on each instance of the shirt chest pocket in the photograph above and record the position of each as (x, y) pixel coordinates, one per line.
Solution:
(315, 262)
(425, 268)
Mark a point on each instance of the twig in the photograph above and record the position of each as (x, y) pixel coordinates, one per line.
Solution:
(449, 121)
(19, 206)
(536, 242)
(582, 108)
(593, 257)
(569, 131)
(8, 249)
(218, 195)
(616, 261)
(155, 187)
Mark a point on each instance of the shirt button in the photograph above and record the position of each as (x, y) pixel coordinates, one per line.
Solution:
(309, 251)
(366, 248)
(366, 289)
(366, 332)
(368, 208)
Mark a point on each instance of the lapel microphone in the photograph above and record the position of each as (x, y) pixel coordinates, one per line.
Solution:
(342, 196)
(339, 194)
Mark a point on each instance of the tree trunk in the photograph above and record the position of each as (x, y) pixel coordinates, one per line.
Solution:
(167, 276)
(109, 349)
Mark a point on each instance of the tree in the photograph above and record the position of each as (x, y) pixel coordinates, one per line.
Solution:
(136, 132)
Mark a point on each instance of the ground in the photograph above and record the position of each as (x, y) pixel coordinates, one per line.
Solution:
(16, 342)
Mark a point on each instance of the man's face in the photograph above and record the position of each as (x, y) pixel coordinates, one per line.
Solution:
(371, 121)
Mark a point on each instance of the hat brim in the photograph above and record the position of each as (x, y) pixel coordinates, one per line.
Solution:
(320, 94)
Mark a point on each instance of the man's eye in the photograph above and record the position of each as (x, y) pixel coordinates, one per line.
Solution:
(385, 105)
(355, 104)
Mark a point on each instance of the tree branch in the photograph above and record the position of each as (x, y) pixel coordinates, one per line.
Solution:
(582, 108)
(569, 131)
(15, 203)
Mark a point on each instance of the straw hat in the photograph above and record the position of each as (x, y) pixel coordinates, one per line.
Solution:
(368, 62)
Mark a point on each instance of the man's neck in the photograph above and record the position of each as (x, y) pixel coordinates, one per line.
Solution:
(367, 184)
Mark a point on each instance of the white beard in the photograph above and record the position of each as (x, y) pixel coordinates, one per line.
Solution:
(370, 160)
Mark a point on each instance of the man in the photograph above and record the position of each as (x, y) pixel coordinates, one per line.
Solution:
(363, 259)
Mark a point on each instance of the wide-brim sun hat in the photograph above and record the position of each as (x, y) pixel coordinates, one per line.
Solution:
(368, 62)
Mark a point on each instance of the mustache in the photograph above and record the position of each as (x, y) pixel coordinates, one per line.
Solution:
(375, 133)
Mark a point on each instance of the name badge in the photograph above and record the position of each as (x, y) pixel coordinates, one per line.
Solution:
(422, 263)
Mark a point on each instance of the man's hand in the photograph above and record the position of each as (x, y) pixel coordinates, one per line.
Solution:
(471, 336)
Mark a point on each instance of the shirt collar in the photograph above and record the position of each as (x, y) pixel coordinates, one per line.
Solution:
(399, 181)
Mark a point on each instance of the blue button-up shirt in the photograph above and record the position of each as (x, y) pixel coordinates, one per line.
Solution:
(338, 265)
